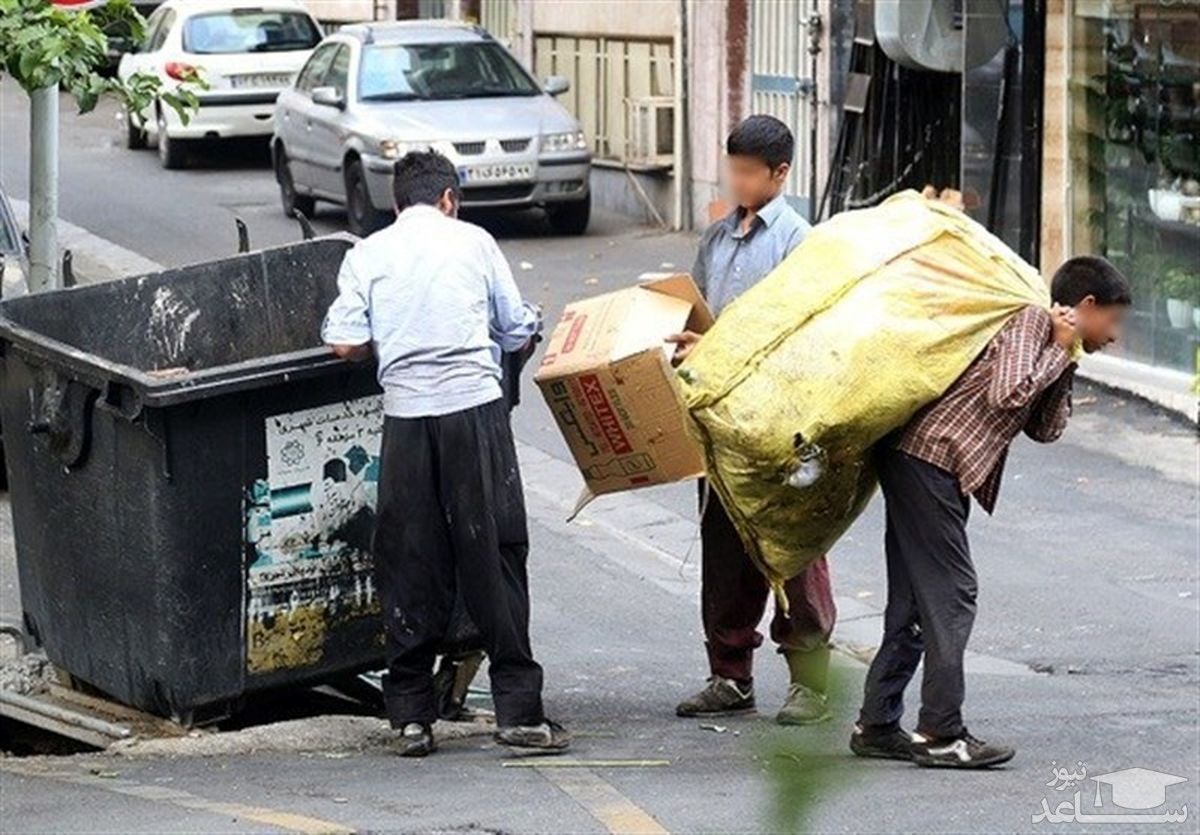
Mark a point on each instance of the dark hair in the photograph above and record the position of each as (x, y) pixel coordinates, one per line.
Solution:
(1089, 275)
(422, 177)
(762, 137)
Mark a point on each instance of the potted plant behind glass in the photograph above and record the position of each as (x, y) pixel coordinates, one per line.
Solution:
(1180, 286)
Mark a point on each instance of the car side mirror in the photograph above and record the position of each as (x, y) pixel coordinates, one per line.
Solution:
(556, 85)
(328, 96)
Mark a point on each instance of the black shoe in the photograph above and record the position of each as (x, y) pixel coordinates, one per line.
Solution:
(548, 736)
(416, 740)
(883, 745)
(722, 697)
(963, 751)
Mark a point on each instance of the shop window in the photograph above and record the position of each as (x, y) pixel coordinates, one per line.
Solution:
(1135, 163)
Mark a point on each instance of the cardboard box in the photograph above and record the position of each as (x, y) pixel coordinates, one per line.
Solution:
(607, 378)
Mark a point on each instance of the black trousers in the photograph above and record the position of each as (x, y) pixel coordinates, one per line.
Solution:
(930, 598)
(451, 516)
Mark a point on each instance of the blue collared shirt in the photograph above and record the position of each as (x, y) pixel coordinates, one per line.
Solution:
(436, 298)
(732, 261)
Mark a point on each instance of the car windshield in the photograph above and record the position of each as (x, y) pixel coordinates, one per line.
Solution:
(249, 30)
(430, 72)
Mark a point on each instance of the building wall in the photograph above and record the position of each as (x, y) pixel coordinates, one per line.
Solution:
(1055, 123)
(355, 11)
(349, 11)
(643, 19)
(708, 112)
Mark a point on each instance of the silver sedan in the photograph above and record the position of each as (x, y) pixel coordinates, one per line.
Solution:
(372, 92)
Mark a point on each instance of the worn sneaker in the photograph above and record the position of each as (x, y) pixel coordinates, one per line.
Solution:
(548, 736)
(722, 697)
(804, 706)
(963, 751)
(884, 745)
(416, 740)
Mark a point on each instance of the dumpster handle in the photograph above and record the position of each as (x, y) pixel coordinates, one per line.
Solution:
(62, 411)
(243, 235)
(306, 229)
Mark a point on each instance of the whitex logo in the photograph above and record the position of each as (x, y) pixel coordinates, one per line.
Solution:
(1132, 788)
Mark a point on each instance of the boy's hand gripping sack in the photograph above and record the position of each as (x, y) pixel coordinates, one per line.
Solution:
(871, 318)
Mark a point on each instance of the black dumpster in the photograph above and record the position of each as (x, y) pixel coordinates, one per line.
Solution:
(193, 477)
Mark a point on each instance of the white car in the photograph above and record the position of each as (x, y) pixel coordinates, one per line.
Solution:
(246, 53)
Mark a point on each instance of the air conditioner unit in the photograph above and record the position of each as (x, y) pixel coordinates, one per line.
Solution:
(650, 132)
(941, 35)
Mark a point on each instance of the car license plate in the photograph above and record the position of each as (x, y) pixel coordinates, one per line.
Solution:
(500, 172)
(261, 79)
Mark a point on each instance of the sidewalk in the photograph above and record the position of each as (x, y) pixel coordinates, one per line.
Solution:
(94, 259)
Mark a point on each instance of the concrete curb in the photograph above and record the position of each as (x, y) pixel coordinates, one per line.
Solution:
(1163, 387)
(95, 259)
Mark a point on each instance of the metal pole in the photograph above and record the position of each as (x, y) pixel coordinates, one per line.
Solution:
(678, 115)
(814, 50)
(43, 189)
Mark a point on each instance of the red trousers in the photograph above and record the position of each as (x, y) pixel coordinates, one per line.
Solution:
(734, 597)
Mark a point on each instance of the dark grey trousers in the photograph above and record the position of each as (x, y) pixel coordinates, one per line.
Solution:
(451, 518)
(930, 598)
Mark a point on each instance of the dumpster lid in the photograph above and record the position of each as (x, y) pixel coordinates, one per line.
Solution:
(192, 332)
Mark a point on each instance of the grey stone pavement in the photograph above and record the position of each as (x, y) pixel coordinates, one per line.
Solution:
(1086, 649)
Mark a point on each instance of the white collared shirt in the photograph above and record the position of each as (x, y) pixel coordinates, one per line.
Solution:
(436, 298)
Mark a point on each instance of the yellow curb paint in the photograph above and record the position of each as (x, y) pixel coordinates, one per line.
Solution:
(618, 814)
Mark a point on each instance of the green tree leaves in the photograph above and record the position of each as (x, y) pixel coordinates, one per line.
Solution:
(41, 45)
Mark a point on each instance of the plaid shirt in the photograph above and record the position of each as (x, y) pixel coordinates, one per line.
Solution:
(1021, 381)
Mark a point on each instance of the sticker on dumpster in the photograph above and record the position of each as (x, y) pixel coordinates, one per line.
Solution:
(308, 528)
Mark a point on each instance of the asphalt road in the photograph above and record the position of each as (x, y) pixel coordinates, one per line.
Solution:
(1086, 647)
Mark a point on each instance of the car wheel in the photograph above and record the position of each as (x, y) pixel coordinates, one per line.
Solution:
(571, 218)
(135, 136)
(362, 215)
(172, 153)
(288, 197)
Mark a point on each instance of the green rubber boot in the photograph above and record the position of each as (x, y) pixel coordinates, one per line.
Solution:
(806, 702)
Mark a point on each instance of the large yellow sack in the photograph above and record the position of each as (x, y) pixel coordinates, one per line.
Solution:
(868, 320)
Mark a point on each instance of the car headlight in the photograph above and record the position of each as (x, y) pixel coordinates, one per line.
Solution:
(558, 142)
(394, 148)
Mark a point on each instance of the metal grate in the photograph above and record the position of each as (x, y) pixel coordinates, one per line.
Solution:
(779, 82)
(603, 73)
(499, 17)
(469, 148)
(514, 146)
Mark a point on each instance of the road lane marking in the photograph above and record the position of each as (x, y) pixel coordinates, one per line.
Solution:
(285, 821)
(555, 762)
(600, 799)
